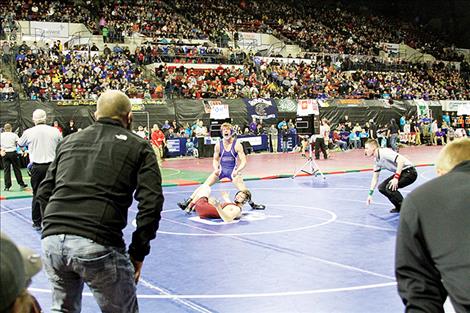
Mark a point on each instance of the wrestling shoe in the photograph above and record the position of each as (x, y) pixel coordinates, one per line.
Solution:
(255, 206)
(189, 210)
(184, 205)
(395, 210)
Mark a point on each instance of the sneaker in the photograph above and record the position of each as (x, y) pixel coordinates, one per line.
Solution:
(257, 206)
(395, 210)
(184, 205)
(6, 189)
(24, 186)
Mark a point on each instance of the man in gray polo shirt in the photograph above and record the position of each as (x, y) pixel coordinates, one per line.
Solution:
(42, 141)
(404, 173)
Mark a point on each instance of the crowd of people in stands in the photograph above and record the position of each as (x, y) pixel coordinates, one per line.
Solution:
(51, 11)
(6, 89)
(49, 74)
(76, 75)
(316, 28)
(150, 18)
(318, 80)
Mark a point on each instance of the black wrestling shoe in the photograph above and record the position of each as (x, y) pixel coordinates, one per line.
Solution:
(255, 206)
(395, 210)
(37, 227)
(184, 205)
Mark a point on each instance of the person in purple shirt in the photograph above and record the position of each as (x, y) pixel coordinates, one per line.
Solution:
(224, 162)
(440, 136)
(253, 125)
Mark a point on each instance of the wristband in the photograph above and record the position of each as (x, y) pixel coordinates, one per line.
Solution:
(397, 176)
(371, 192)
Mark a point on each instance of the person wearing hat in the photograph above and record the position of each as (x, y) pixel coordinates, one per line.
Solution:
(17, 267)
(42, 141)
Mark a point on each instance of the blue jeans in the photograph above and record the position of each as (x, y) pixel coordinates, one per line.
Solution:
(393, 142)
(284, 145)
(70, 261)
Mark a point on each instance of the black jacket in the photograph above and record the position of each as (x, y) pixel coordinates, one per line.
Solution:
(88, 188)
(433, 244)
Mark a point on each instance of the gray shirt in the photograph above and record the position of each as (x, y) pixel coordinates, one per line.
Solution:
(42, 141)
(387, 159)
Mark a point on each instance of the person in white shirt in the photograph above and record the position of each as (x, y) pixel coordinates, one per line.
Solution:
(42, 141)
(8, 141)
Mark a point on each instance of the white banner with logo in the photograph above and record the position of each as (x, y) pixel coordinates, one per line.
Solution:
(254, 141)
(422, 108)
(219, 112)
(173, 145)
(462, 107)
(49, 29)
(391, 47)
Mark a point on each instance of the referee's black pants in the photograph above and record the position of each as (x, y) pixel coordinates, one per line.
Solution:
(407, 177)
(320, 145)
(11, 160)
(38, 173)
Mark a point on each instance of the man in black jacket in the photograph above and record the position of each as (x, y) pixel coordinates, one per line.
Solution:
(433, 242)
(85, 199)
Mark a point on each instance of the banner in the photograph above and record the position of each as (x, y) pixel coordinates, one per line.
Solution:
(350, 102)
(49, 29)
(219, 112)
(286, 105)
(173, 145)
(261, 109)
(208, 104)
(464, 109)
(422, 108)
(254, 141)
(307, 107)
(391, 47)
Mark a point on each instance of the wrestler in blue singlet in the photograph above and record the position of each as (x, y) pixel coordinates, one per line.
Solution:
(228, 160)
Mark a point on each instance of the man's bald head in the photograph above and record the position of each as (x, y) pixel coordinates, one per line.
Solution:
(113, 104)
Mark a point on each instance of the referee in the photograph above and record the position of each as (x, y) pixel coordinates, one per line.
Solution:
(404, 173)
(42, 141)
(8, 141)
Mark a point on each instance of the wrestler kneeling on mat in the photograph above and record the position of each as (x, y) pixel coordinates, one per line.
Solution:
(209, 207)
(225, 165)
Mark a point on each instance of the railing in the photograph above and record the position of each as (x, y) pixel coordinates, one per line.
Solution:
(79, 38)
(275, 48)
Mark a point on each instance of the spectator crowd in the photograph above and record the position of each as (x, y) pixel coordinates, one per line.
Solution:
(317, 27)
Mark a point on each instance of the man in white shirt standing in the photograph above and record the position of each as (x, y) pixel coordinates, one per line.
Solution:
(42, 141)
(8, 141)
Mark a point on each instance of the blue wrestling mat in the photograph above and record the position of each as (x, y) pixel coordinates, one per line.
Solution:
(316, 248)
